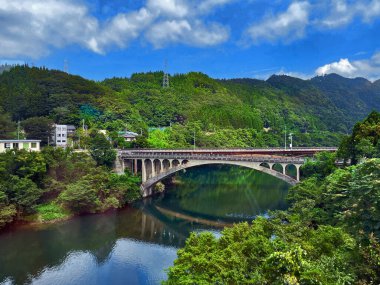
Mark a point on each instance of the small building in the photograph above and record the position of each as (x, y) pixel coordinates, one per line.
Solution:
(128, 136)
(70, 130)
(31, 145)
(62, 134)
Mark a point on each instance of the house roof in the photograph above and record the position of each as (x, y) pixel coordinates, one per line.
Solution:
(18, 141)
(128, 134)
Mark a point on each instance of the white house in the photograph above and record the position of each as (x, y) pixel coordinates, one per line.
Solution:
(61, 135)
(31, 145)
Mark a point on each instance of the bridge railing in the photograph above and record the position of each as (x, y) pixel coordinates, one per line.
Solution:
(280, 149)
(218, 157)
(232, 149)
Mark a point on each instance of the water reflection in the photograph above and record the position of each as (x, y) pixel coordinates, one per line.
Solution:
(226, 193)
(136, 244)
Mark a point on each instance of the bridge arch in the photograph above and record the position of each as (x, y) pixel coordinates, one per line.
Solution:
(157, 167)
(148, 166)
(278, 167)
(266, 165)
(147, 185)
(175, 163)
(165, 164)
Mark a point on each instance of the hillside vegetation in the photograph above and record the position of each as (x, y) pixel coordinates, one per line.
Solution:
(329, 234)
(221, 113)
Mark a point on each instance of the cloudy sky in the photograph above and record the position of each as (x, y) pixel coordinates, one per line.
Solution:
(223, 38)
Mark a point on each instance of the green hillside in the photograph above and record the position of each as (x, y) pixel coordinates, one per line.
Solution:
(223, 113)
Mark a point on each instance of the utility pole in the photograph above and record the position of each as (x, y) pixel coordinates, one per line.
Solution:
(18, 130)
(194, 138)
(291, 140)
(285, 137)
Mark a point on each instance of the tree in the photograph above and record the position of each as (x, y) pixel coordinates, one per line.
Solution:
(22, 192)
(39, 128)
(7, 127)
(101, 150)
(80, 197)
(353, 197)
(364, 141)
(7, 212)
(266, 252)
(322, 166)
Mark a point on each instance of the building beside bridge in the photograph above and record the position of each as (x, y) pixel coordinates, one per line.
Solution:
(30, 145)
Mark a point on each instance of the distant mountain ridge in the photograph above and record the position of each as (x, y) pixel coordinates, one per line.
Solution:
(329, 103)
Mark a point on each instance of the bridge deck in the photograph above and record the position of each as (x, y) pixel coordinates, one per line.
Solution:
(219, 157)
(233, 151)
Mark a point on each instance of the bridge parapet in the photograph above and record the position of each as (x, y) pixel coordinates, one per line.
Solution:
(269, 159)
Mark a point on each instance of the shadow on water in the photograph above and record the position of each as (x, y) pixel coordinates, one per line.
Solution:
(134, 245)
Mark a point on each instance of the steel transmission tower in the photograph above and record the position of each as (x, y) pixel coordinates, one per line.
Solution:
(165, 81)
(66, 66)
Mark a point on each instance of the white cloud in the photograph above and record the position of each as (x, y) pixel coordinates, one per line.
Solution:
(341, 12)
(182, 31)
(31, 28)
(300, 16)
(288, 26)
(208, 5)
(120, 30)
(367, 68)
(173, 8)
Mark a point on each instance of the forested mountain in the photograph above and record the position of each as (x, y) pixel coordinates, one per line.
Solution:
(314, 110)
(354, 97)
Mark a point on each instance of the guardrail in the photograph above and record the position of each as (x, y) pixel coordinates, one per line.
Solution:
(273, 149)
(214, 157)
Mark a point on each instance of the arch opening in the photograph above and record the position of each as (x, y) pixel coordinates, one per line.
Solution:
(278, 167)
(165, 164)
(291, 170)
(157, 166)
(148, 168)
(265, 164)
(175, 163)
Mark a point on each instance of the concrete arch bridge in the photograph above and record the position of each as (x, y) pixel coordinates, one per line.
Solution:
(156, 165)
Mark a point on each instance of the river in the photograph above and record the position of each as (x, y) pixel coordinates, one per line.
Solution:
(136, 244)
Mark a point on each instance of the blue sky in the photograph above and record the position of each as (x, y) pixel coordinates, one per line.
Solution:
(222, 38)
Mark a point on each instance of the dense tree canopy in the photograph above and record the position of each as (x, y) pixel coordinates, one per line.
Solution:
(55, 182)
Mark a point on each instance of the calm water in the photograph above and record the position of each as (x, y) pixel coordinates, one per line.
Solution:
(136, 244)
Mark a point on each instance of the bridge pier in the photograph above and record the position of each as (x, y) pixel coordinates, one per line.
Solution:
(298, 172)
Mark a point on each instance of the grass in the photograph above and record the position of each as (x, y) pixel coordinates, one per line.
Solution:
(51, 211)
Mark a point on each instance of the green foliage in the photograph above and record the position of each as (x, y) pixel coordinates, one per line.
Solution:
(321, 166)
(55, 182)
(7, 127)
(364, 141)
(80, 197)
(101, 150)
(22, 192)
(267, 252)
(38, 128)
(7, 211)
(51, 211)
(99, 191)
(353, 195)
